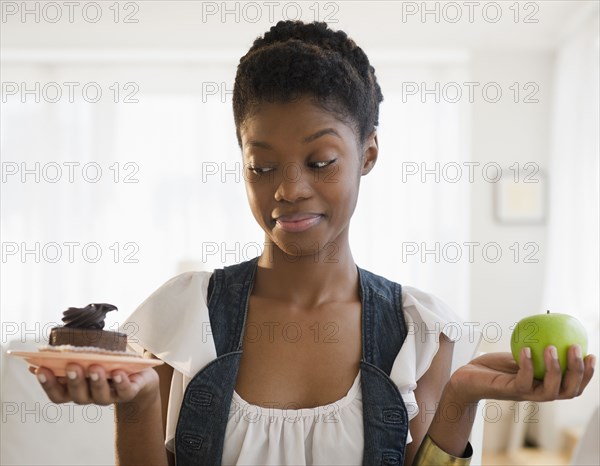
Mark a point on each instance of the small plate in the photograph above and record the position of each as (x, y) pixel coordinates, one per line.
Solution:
(57, 361)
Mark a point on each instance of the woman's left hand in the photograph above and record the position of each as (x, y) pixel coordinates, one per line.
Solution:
(497, 376)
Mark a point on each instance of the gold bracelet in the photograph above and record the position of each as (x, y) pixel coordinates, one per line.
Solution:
(429, 454)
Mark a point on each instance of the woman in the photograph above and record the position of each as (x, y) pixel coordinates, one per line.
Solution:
(306, 104)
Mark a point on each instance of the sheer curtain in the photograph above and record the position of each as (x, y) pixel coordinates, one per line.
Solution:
(170, 191)
(105, 201)
(572, 275)
(170, 196)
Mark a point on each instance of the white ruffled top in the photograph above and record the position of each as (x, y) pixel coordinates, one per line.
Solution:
(169, 323)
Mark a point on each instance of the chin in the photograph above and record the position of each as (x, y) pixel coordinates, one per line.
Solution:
(303, 245)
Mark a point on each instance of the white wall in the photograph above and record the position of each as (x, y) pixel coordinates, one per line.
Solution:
(507, 133)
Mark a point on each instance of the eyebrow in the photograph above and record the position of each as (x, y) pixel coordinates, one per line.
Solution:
(320, 133)
(306, 140)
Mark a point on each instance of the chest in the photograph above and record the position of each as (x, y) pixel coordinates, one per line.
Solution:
(299, 359)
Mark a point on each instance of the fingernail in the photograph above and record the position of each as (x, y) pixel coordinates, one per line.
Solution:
(94, 376)
(578, 351)
(72, 375)
(117, 378)
(553, 352)
(41, 378)
(527, 352)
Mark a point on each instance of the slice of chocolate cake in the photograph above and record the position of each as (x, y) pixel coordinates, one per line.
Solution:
(83, 330)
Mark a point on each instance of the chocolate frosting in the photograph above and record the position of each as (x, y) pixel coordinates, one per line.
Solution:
(91, 316)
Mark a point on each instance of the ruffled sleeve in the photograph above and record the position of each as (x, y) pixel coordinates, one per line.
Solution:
(174, 325)
(426, 317)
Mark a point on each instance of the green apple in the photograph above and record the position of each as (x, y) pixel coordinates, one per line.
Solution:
(542, 330)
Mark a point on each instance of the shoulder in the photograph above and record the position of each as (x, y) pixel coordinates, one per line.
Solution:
(379, 286)
(170, 319)
(429, 308)
(417, 303)
(188, 287)
(235, 273)
(428, 317)
(182, 282)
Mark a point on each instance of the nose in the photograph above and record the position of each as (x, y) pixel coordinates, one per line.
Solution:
(293, 184)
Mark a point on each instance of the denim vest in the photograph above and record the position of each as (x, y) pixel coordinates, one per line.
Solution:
(200, 432)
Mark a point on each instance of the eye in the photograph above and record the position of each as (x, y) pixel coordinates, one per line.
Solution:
(322, 164)
(259, 170)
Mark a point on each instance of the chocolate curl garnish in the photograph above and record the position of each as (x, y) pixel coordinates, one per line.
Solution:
(91, 316)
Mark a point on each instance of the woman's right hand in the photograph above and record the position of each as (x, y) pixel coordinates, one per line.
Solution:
(97, 387)
(140, 410)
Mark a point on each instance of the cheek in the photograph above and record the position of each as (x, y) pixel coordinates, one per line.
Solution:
(256, 199)
(342, 195)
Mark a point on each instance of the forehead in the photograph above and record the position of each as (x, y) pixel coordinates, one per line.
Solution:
(292, 122)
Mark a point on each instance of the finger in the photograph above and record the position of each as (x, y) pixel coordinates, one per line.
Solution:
(553, 375)
(99, 387)
(128, 387)
(588, 372)
(77, 385)
(125, 388)
(574, 375)
(62, 380)
(139, 380)
(524, 378)
(56, 392)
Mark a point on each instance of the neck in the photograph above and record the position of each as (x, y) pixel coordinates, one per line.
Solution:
(308, 281)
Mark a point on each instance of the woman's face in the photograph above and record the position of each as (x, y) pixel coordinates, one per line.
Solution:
(302, 168)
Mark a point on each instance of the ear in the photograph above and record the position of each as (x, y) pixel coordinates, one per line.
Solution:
(369, 154)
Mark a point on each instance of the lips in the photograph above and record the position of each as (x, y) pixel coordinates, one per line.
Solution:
(297, 222)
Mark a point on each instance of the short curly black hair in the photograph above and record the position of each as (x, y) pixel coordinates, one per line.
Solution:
(296, 59)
